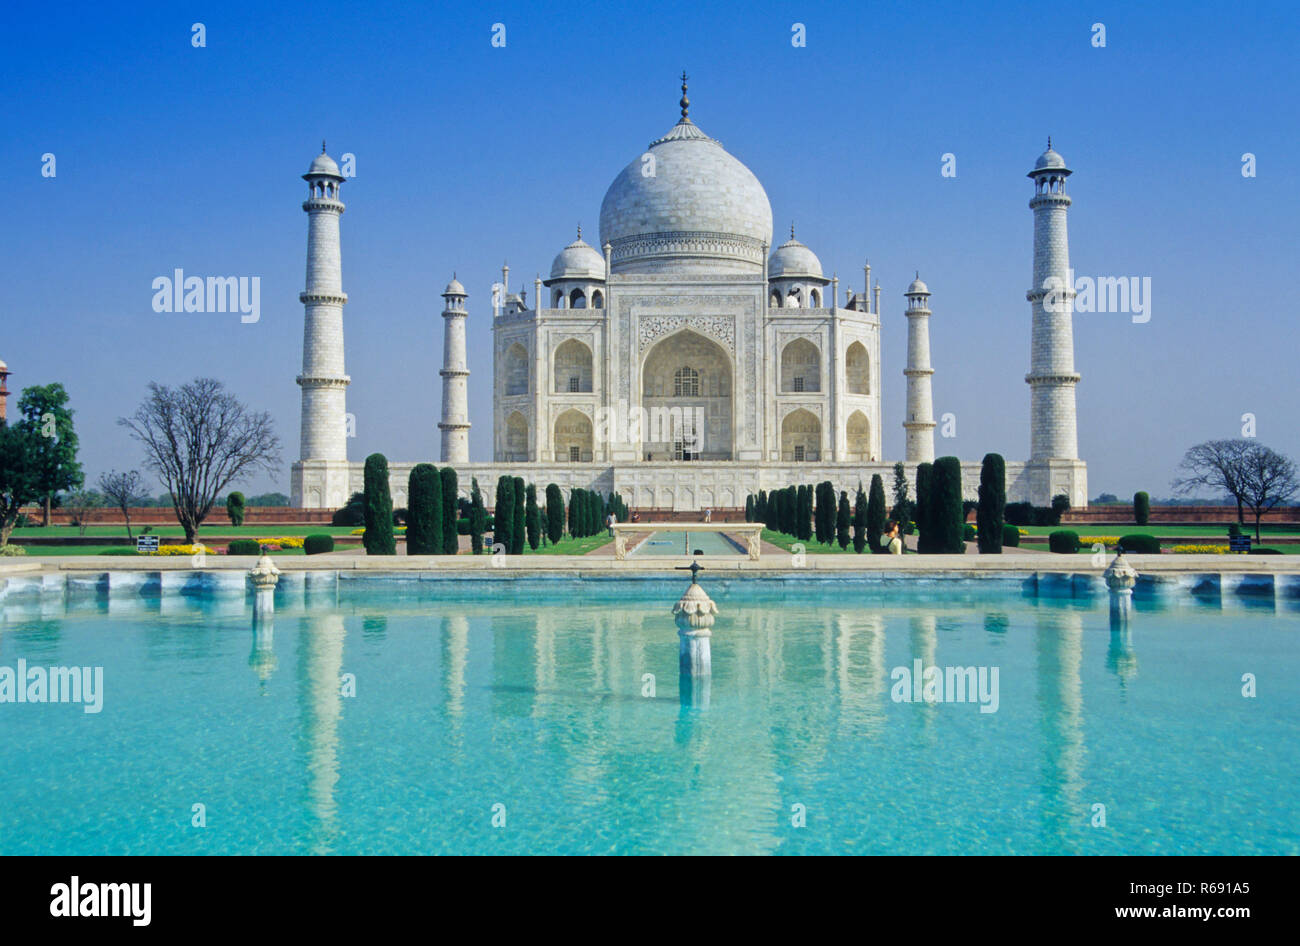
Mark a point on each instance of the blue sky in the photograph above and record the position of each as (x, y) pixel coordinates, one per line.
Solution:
(467, 155)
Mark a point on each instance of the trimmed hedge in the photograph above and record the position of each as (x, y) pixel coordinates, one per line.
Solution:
(378, 538)
(424, 514)
(318, 544)
(875, 523)
(446, 541)
(924, 478)
(1010, 536)
(479, 521)
(1063, 542)
(235, 508)
(353, 514)
(1140, 544)
(945, 507)
(244, 547)
(554, 513)
(991, 511)
(1141, 508)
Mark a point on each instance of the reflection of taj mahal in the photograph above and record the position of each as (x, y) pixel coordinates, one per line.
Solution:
(685, 363)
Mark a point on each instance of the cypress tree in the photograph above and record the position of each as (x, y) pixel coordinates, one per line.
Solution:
(554, 513)
(1141, 507)
(760, 506)
(806, 514)
(502, 512)
(423, 511)
(450, 543)
(518, 527)
(477, 517)
(800, 495)
(924, 477)
(989, 516)
(946, 516)
(378, 538)
(532, 517)
(842, 519)
(860, 533)
(826, 512)
(792, 511)
(904, 510)
(876, 512)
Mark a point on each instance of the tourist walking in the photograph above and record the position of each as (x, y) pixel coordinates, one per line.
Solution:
(609, 521)
(893, 541)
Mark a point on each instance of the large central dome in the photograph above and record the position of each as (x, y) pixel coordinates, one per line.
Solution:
(686, 206)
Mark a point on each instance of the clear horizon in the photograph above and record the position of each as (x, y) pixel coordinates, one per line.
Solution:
(173, 157)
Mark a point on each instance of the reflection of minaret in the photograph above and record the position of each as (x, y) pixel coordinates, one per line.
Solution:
(455, 636)
(862, 676)
(1060, 702)
(262, 657)
(925, 644)
(320, 666)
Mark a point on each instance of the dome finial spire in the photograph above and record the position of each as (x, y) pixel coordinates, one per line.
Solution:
(1049, 142)
(322, 146)
(579, 231)
(792, 229)
(685, 102)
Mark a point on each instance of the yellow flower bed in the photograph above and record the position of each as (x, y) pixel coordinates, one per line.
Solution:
(284, 541)
(183, 550)
(397, 530)
(1103, 539)
(1200, 550)
(357, 532)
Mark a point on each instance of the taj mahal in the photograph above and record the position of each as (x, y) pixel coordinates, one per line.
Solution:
(687, 363)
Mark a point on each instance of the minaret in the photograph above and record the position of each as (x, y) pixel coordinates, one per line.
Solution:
(323, 383)
(920, 402)
(455, 376)
(4, 390)
(1053, 430)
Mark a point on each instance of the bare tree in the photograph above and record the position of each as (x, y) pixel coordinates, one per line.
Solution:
(1268, 480)
(1217, 465)
(122, 489)
(197, 439)
(79, 503)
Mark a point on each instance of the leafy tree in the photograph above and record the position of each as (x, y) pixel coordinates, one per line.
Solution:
(554, 513)
(351, 514)
(21, 482)
(860, 532)
(518, 527)
(532, 517)
(875, 512)
(197, 438)
(945, 509)
(924, 478)
(123, 491)
(424, 511)
(270, 499)
(43, 409)
(502, 512)
(378, 538)
(235, 508)
(842, 519)
(449, 542)
(991, 513)
(477, 517)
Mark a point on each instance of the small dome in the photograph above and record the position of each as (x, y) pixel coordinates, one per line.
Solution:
(578, 260)
(3, 366)
(324, 164)
(792, 258)
(454, 288)
(1049, 160)
(917, 288)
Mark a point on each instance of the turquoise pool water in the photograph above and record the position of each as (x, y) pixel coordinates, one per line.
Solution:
(684, 544)
(534, 696)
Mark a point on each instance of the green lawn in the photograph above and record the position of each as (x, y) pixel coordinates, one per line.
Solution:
(812, 546)
(571, 546)
(212, 527)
